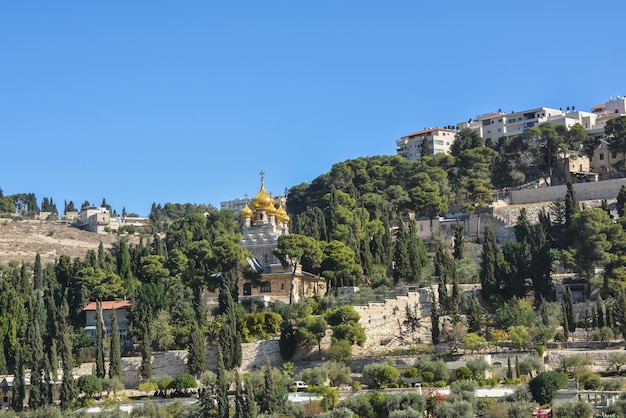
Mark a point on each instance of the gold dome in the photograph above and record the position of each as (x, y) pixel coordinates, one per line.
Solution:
(271, 211)
(246, 212)
(262, 201)
(281, 214)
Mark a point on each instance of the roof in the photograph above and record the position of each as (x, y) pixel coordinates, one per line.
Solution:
(108, 305)
(426, 131)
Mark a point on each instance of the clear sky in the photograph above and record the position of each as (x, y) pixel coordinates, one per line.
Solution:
(187, 101)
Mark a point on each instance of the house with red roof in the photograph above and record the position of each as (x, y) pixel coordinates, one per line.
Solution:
(121, 309)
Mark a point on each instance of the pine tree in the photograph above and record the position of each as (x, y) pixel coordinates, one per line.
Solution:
(287, 342)
(115, 354)
(100, 367)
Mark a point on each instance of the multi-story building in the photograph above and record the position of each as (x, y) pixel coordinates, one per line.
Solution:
(236, 205)
(94, 219)
(439, 141)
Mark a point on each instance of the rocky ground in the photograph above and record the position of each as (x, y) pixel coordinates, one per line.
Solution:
(21, 240)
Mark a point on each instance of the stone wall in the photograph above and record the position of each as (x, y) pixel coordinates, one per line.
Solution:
(606, 189)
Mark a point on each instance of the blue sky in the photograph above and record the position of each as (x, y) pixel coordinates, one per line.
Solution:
(154, 101)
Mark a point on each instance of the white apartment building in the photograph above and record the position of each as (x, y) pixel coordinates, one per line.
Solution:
(439, 140)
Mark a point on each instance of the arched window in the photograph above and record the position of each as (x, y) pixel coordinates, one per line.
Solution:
(282, 286)
(247, 289)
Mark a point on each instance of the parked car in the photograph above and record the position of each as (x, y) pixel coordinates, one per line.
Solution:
(300, 385)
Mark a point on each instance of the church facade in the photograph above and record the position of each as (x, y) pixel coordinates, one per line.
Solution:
(264, 219)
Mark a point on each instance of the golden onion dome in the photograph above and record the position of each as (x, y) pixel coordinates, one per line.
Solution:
(271, 211)
(262, 201)
(281, 212)
(286, 218)
(246, 212)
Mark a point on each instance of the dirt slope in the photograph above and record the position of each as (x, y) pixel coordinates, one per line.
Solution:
(22, 240)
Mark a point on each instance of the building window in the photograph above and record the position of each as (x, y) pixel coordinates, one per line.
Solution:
(266, 287)
(247, 289)
(601, 156)
(282, 286)
(266, 259)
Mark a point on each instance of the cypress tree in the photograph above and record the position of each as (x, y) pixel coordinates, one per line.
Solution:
(146, 353)
(489, 265)
(240, 400)
(115, 354)
(402, 260)
(37, 274)
(565, 322)
(68, 386)
(517, 369)
(434, 321)
(269, 404)
(221, 386)
(458, 242)
(509, 369)
(251, 410)
(287, 342)
(620, 312)
(600, 312)
(229, 338)
(38, 378)
(100, 367)
(571, 313)
(572, 207)
(475, 315)
(197, 350)
(19, 387)
(425, 147)
(621, 200)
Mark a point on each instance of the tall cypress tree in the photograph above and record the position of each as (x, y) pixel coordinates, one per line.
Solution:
(37, 274)
(115, 354)
(19, 387)
(571, 313)
(402, 260)
(240, 399)
(269, 404)
(146, 354)
(229, 338)
(38, 378)
(197, 350)
(572, 206)
(458, 252)
(434, 321)
(100, 367)
(489, 266)
(68, 386)
(251, 410)
(221, 386)
(600, 312)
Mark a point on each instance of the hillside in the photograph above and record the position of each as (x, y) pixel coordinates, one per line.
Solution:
(22, 240)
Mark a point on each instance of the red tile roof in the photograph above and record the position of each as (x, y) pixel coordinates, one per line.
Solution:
(425, 131)
(107, 305)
